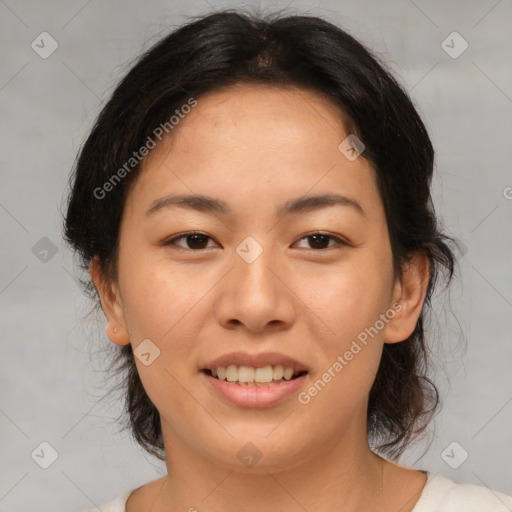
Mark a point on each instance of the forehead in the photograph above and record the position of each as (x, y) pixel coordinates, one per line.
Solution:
(250, 143)
(266, 114)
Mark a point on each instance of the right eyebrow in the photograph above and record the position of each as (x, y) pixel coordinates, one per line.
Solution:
(196, 202)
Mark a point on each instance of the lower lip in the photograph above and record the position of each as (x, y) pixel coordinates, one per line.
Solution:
(254, 396)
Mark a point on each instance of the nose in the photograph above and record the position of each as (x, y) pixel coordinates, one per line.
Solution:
(256, 294)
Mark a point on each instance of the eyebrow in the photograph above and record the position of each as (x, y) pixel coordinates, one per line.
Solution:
(202, 203)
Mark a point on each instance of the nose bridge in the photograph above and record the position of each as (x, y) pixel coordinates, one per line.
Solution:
(252, 261)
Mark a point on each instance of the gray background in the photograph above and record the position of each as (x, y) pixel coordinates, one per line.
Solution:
(51, 380)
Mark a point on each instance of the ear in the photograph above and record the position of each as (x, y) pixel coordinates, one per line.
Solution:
(110, 304)
(408, 294)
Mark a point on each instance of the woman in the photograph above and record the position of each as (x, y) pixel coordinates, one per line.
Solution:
(253, 206)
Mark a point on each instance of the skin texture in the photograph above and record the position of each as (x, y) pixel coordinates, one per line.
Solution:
(256, 147)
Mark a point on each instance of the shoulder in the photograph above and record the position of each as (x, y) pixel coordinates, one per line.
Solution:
(116, 505)
(139, 498)
(441, 494)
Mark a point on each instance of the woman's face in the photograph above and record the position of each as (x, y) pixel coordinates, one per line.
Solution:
(256, 283)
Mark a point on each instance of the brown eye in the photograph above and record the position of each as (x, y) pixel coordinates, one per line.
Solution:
(193, 241)
(320, 241)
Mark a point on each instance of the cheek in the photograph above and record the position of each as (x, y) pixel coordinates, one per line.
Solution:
(350, 301)
(351, 305)
(163, 305)
(157, 297)
(167, 306)
(349, 298)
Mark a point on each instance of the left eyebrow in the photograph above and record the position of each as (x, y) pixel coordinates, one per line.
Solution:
(310, 203)
(213, 205)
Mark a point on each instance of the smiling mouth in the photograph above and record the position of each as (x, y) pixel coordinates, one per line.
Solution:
(254, 377)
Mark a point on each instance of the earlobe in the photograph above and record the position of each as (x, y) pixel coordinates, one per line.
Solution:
(110, 304)
(409, 292)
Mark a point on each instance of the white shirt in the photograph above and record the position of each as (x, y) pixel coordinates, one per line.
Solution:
(440, 494)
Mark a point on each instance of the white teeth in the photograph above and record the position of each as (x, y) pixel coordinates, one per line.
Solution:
(265, 374)
(232, 373)
(288, 373)
(246, 375)
(278, 372)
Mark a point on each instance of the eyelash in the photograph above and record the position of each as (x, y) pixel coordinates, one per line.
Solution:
(172, 241)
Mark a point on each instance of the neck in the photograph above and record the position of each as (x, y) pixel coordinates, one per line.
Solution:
(346, 474)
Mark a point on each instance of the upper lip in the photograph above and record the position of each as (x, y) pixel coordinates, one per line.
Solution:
(255, 361)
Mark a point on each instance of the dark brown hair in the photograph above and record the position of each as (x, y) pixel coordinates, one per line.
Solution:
(232, 47)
